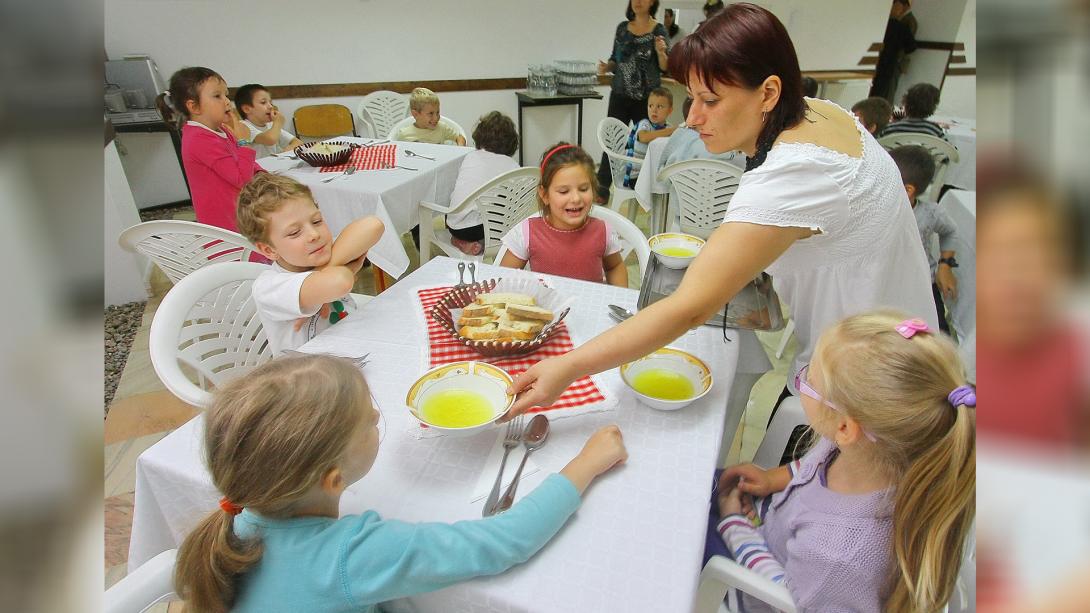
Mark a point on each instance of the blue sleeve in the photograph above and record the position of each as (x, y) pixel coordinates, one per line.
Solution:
(384, 560)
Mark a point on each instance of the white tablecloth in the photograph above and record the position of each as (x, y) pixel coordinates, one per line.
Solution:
(961, 206)
(391, 195)
(961, 133)
(634, 545)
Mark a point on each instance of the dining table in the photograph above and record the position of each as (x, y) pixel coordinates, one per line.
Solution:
(418, 172)
(635, 543)
(961, 133)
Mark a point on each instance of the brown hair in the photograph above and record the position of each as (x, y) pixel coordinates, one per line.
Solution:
(921, 100)
(261, 197)
(185, 86)
(562, 155)
(741, 46)
(664, 93)
(269, 436)
(495, 132)
(875, 110)
(916, 165)
(897, 389)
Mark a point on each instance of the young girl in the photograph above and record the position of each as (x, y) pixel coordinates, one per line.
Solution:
(217, 164)
(282, 445)
(565, 240)
(496, 141)
(264, 122)
(874, 517)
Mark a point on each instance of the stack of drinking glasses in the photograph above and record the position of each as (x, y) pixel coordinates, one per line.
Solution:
(576, 77)
(541, 80)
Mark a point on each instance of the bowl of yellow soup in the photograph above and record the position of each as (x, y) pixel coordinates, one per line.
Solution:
(674, 249)
(668, 379)
(460, 397)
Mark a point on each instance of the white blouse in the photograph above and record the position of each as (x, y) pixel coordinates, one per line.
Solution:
(868, 252)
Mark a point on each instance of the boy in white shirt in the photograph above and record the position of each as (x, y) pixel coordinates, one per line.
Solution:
(496, 140)
(267, 134)
(428, 126)
(306, 289)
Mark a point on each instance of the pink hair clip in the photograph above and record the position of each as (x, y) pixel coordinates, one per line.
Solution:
(909, 327)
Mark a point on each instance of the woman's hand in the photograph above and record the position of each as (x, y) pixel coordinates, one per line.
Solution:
(660, 44)
(603, 67)
(539, 386)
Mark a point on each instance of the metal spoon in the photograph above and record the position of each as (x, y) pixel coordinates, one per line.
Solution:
(534, 437)
(414, 154)
(349, 171)
(619, 313)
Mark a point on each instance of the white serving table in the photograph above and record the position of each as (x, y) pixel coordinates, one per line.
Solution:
(634, 545)
(391, 195)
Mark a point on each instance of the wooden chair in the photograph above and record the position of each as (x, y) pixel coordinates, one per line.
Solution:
(318, 121)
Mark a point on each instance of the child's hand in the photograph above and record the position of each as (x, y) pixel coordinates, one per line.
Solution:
(302, 321)
(603, 451)
(233, 126)
(734, 502)
(947, 282)
(356, 264)
(748, 478)
(277, 117)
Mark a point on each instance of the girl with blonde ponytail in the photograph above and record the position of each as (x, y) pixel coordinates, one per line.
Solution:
(875, 516)
(282, 445)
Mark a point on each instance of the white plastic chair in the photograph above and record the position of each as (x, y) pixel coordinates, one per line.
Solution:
(208, 321)
(785, 338)
(632, 238)
(382, 110)
(180, 247)
(613, 139)
(721, 575)
(145, 587)
(788, 416)
(943, 153)
(704, 189)
(502, 202)
(408, 121)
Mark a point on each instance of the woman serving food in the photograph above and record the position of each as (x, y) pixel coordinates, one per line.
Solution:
(821, 207)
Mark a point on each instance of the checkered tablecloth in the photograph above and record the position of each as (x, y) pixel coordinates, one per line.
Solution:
(444, 348)
(367, 158)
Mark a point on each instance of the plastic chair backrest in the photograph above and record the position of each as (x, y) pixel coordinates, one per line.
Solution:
(145, 587)
(180, 247)
(505, 201)
(318, 121)
(941, 151)
(208, 321)
(410, 119)
(613, 139)
(383, 109)
(788, 416)
(704, 189)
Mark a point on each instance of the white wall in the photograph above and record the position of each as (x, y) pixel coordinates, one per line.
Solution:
(124, 270)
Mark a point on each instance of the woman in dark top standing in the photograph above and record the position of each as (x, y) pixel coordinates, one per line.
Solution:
(637, 63)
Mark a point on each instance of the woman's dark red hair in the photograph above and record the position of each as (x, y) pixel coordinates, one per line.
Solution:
(743, 45)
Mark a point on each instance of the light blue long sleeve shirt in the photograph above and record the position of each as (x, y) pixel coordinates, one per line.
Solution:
(358, 561)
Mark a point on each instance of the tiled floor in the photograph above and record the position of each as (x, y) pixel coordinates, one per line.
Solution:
(143, 412)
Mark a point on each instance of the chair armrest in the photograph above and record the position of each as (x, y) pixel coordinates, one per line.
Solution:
(721, 573)
(436, 207)
(150, 584)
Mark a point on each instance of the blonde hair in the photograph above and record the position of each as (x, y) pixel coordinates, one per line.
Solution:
(422, 97)
(269, 437)
(261, 197)
(897, 390)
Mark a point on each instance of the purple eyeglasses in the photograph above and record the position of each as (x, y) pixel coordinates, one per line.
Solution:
(805, 389)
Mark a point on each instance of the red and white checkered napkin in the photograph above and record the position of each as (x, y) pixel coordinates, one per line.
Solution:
(583, 396)
(367, 158)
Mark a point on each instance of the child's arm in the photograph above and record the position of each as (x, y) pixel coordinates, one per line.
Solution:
(616, 271)
(511, 260)
(356, 240)
(517, 244)
(461, 140)
(747, 546)
(231, 163)
(646, 136)
(754, 480)
(272, 135)
(948, 239)
(336, 278)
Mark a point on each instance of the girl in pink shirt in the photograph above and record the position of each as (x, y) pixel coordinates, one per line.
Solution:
(565, 240)
(217, 163)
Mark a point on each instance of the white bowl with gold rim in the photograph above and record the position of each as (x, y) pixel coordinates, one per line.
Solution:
(461, 397)
(668, 379)
(674, 249)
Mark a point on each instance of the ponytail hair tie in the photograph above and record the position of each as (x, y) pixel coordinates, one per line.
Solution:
(548, 155)
(229, 507)
(909, 327)
(962, 395)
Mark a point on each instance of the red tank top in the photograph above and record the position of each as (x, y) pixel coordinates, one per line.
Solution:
(569, 253)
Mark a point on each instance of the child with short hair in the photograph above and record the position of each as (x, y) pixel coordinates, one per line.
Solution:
(873, 113)
(282, 444)
(917, 169)
(920, 102)
(496, 140)
(428, 126)
(216, 162)
(306, 289)
(660, 103)
(874, 517)
(565, 240)
(267, 135)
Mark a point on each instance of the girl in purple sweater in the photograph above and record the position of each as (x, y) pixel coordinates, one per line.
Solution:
(874, 517)
(217, 162)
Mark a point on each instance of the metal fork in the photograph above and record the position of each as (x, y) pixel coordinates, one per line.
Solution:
(461, 275)
(387, 166)
(511, 439)
(359, 361)
(347, 172)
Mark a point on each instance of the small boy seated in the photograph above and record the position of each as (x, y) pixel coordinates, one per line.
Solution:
(660, 103)
(496, 140)
(267, 134)
(306, 289)
(874, 113)
(917, 169)
(428, 126)
(920, 102)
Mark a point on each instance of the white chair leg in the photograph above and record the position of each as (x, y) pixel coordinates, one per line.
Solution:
(788, 332)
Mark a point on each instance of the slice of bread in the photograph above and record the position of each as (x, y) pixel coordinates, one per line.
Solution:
(523, 325)
(474, 321)
(529, 312)
(501, 300)
(516, 333)
(486, 332)
(477, 310)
